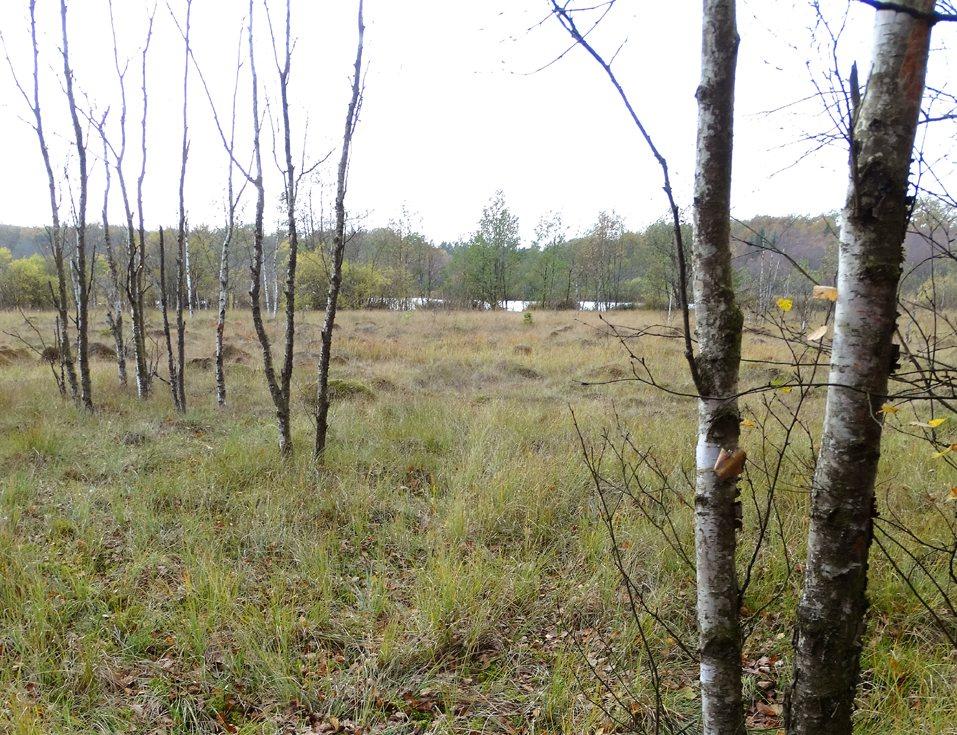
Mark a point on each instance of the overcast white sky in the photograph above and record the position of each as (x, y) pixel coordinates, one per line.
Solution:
(453, 110)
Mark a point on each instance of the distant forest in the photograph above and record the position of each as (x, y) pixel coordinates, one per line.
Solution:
(396, 267)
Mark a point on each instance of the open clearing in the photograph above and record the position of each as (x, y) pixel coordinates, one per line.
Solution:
(448, 572)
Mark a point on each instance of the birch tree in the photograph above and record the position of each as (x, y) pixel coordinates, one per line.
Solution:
(338, 250)
(59, 294)
(232, 201)
(114, 289)
(714, 369)
(172, 368)
(291, 180)
(81, 273)
(182, 252)
(138, 260)
(135, 252)
(718, 324)
(831, 613)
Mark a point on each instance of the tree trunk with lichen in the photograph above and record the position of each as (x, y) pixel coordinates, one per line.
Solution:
(718, 331)
(830, 616)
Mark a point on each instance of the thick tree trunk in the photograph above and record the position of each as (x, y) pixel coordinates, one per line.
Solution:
(718, 330)
(831, 612)
(338, 249)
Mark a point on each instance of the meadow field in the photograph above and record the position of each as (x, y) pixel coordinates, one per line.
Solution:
(447, 571)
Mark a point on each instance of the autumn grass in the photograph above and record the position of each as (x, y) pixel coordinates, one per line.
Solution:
(448, 571)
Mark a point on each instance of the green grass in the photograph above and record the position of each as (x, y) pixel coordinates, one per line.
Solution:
(164, 573)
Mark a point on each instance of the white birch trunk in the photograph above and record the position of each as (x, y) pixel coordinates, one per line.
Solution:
(831, 612)
(718, 330)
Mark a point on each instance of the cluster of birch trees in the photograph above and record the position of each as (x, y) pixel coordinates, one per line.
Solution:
(879, 124)
(75, 258)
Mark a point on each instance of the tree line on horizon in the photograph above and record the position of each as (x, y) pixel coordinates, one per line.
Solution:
(397, 267)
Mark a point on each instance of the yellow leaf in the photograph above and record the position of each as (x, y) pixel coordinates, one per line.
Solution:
(934, 423)
(888, 408)
(785, 389)
(952, 495)
(785, 304)
(748, 424)
(941, 453)
(824, 293)
(817, 334)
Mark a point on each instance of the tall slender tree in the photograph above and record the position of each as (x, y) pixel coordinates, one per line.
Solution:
(255, 177)
(714, 369)
(114, 310)
(82, 275)
(232, 201)
(135, 255)
(138, 263)
(171, 361)
(831, 613)
(182, 253)
(718, 324)
(291, 185)
(59, 293)
(338, 249)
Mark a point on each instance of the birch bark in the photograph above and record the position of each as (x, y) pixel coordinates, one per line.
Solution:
(718, 330)
(256, 265)
(80, 275)
(831, 611)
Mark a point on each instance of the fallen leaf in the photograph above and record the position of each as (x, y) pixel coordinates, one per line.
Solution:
(824, 293)
(934, 423)
(747, 424)
(888, 409)
(952, 495)
(770, 710)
